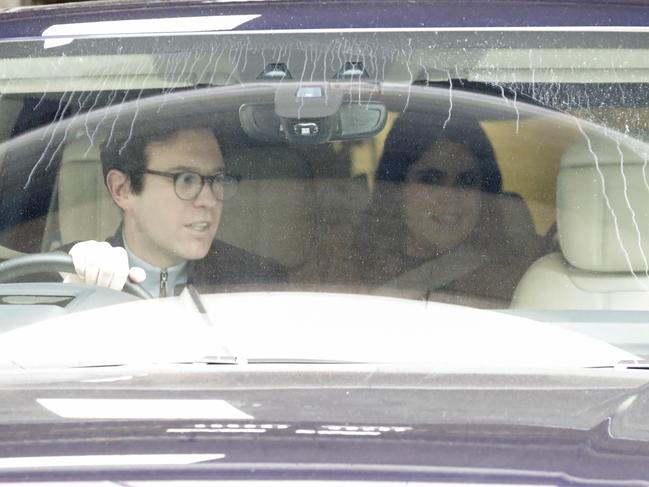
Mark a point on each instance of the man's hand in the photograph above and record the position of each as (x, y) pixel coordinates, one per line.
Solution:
(101, 264)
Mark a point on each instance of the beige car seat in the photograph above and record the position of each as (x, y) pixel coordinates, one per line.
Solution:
(82, 207)
(512, 230)
(271, 214)
(603, 232)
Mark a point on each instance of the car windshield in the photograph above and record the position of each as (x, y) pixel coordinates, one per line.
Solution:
(289, 169)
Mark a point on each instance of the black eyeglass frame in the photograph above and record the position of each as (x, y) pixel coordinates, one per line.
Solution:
(228, 181)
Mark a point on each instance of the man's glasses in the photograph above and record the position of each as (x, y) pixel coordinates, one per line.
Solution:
(189, 184)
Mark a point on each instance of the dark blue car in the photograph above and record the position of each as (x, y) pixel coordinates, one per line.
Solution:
(325, 241)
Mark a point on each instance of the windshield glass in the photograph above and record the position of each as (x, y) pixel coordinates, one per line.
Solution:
(489, 168)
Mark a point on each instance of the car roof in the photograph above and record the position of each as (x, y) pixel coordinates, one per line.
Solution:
(302, 15)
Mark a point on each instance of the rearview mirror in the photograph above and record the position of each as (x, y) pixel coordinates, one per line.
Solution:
(312, 114)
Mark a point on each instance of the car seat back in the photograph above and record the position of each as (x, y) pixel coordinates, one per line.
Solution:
(603, 232)
(85, 208)
(272, 214)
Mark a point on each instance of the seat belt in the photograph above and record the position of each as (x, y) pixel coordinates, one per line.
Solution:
(436, 273)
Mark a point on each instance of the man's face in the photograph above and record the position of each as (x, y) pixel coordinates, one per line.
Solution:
(159, 227)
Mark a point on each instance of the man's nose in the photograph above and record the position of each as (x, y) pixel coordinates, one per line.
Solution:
(206, 197)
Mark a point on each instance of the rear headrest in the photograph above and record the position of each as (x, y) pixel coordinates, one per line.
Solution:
(511, 227)
(86, 209)
(603, 205)
(273, 213)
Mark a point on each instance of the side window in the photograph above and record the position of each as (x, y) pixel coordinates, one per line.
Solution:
(29, 166)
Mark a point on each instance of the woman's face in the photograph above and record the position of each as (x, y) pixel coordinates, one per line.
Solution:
(441, 199)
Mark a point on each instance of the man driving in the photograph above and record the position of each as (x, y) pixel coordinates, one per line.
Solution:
(170, 186)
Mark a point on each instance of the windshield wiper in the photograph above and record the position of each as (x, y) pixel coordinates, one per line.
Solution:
(224, 355)
(626, 365)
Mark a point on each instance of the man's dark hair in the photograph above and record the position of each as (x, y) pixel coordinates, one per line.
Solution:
(125, 150)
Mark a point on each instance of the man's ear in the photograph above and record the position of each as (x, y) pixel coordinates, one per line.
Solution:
(120, 189)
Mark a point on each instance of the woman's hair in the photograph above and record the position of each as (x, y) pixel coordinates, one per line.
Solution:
(380, 244)
(412, 135)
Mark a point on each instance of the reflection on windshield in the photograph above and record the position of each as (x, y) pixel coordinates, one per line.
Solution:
(492, 171)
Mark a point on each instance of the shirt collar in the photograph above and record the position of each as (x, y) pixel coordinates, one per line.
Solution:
(176, 274)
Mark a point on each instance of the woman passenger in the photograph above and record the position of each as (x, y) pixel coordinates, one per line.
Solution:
(435, 225)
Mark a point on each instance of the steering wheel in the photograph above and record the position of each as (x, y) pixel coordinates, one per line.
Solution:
(26, 265)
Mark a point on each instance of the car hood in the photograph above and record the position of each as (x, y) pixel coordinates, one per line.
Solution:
(343, 418)
(300, 327)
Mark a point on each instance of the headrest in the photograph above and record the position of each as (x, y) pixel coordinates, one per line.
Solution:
(86, 209)
(603, 204)
(272, 213)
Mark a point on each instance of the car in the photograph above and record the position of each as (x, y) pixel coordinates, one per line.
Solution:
(270, 242)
